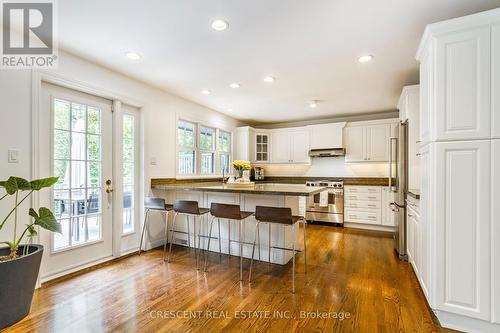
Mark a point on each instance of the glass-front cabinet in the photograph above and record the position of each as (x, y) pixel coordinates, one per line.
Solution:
(261, 147)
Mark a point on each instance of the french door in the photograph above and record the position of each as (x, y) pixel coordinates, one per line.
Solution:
(77, 142)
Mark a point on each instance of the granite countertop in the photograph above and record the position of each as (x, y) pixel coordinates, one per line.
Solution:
(371, 181)
(267, 188)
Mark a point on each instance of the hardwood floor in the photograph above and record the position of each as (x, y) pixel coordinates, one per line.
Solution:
(354, 274)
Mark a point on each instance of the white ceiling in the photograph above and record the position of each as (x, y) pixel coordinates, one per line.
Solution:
(310, 46)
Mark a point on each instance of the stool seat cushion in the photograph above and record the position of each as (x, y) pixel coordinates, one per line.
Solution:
(169, 207)
(280, 215)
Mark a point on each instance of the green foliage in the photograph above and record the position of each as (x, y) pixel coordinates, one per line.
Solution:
(44, 218)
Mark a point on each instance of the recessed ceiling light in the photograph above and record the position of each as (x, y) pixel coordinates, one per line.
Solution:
(205, 92)
(313, 104)
(229, 110)
(133, 55)
(269, 79)
(219, 25)
(234, 85)
(365, 58)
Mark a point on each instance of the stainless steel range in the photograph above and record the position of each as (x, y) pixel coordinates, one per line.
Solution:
(327, 206)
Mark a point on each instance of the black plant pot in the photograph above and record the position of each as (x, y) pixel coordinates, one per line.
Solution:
(17, 284)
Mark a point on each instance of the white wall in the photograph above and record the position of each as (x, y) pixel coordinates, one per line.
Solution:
(328, 167)
(159, 110)
(15, 133)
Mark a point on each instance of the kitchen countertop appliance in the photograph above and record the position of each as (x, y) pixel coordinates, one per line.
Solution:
(327, 206)
(258, 173)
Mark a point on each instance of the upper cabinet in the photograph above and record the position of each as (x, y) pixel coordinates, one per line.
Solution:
(456, 82)
(244, 143)
(367, 142)
(290, 146)
(495, 96)
(326, 136)
(262, 147)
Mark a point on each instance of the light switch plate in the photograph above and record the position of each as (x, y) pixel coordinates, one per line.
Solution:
(13, 156)
(152, 161)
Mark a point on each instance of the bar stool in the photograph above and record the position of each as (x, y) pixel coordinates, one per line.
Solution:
(283, 216)
(188, 208)
(230, 212)
(157, 205)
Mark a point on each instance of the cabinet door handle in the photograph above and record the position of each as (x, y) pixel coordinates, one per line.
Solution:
(372, 217)
(410, 215)
(372, 197)
(372, 206)
(353, 216)
(351, 197)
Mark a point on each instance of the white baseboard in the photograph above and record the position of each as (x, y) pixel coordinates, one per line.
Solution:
(373, 227)
(465, 324)
(75, 268)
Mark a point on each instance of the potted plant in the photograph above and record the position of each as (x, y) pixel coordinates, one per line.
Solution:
(20, 263)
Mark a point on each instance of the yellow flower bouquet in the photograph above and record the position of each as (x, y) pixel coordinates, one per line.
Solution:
(240, 165)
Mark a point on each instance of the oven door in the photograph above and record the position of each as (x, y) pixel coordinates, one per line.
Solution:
(333, 212)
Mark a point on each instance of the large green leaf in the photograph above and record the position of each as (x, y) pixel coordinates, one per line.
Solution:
(14, 184)
(31, 230)
(38, 184)
(45, 219)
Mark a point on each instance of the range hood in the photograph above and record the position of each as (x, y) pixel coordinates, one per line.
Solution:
(331, 152)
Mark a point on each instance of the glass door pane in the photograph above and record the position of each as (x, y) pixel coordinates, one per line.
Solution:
(77, 162)
(129, 170)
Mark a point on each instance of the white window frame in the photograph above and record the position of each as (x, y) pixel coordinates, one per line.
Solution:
(180, 148)
(197, 150)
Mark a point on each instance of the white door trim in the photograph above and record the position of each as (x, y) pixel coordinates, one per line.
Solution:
(37, 77)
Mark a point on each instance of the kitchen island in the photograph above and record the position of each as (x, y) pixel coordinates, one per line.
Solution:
(276, 195)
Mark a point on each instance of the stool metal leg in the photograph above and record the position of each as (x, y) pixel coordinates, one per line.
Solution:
(166, 235)
(258, 239)
(220, 241)
(172, 236)
(269, 243)
(229, 236)
(305, 246)
(143, 229)
(253, 251)
(241, 252)
(188, 232)
(293, 258)
(196, 249)
(208, 246)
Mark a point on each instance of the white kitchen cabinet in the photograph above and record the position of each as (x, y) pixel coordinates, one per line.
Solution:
(363, 204)
(460, 62)
(367, 142)
(290, 146)
(461, 211)
(495, 224)
(413, 239)
(326, 136)
(355, 144)
(495, 78)
(377, 142)
(426, 86)
(387, 215)
(244, 144)
(262, 147)
(459, 98)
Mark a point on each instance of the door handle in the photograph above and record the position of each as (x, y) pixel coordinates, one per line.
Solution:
(109, 188)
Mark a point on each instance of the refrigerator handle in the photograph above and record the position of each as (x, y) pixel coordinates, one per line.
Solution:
(390, 162)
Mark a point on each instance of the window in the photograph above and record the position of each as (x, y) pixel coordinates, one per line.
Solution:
(77, 162)
(202, 150)
(224, 150)
(186, 144)
(207, 150)
(129, 158)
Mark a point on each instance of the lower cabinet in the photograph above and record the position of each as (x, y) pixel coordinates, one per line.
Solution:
(495, 224)
(368, 205)
(460, 212)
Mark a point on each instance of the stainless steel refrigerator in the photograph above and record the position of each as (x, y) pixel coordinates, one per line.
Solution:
(397, 181)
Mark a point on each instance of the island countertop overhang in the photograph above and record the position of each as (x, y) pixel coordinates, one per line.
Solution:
(266, 189)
